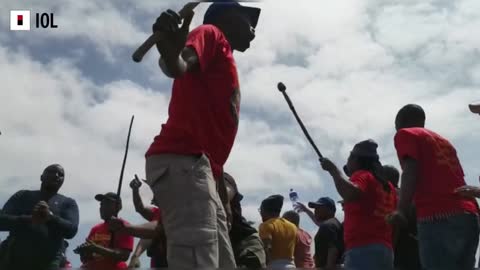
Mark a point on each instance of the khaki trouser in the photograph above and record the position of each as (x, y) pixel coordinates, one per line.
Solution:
(192, 213)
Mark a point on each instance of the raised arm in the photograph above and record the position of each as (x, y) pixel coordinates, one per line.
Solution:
(303, 208)
(146, 212)
(345, 188)
(176, 58)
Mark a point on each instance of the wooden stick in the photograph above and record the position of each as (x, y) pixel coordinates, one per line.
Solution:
(159, 36)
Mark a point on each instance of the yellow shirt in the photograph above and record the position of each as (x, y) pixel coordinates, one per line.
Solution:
(283, 236)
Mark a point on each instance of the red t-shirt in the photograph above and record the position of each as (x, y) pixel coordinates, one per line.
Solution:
(439, 173)
(303, 254)
(100, 234)
(205, 104)
(364, 222)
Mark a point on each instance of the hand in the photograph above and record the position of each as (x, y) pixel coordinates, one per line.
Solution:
(176, 36)
(396, 219)
(135, 184)
(328, 165)
(116, 225)
(41, 213)
(468, 191)
(300, 207)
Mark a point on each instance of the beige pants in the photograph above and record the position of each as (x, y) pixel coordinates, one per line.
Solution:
(192, 213)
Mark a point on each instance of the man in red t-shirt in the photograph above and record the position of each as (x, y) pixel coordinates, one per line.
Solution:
(98, 252)
(369, 198)
(156, 247)
(188, 155)
(448, 229)
(303, 255)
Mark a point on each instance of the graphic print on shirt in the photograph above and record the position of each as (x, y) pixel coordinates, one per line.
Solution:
(235, 105)
(445, 155)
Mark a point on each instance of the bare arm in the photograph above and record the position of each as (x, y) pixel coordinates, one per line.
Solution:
(120, 255)
(408, 184)
(302, 208)
(145, 231)
(145, 212)
(345, 188)
(142, 246)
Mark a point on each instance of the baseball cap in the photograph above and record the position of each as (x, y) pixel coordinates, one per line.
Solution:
(111, 196)
(323, 201)
(220, 6)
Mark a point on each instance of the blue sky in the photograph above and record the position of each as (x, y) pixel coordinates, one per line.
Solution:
(349, 65)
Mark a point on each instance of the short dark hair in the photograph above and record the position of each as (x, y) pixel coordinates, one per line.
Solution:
(391, 174)
(292, 216)
(410, 115)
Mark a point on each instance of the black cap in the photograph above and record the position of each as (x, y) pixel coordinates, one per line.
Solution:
(367, 148)
(324, 201)
(111, 196)
(219, 7)
(273, 203)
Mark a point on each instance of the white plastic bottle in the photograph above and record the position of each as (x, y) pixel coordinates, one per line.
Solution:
(293, 197)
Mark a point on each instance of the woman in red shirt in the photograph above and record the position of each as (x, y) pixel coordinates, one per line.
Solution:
(368, 199)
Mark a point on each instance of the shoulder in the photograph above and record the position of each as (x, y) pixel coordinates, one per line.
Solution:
(412, 132)
(66, 199)
(99, 226)
(207, 30)
(304, 233)
(362, 175)
(23, 192)
(288, 223)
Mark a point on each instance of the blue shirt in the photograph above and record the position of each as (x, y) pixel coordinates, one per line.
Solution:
(37, 245)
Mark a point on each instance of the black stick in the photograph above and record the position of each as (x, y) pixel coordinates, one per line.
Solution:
(120, 181)
(282, 88)
(119, 190)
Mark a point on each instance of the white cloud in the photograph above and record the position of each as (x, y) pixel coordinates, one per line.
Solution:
(348, 65)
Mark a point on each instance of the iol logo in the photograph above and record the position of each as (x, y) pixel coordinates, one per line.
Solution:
(20, 20)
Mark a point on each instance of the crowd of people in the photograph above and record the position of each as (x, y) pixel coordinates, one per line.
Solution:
(428, 222)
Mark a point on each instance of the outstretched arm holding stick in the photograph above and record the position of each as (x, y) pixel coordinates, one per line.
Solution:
(160, 36)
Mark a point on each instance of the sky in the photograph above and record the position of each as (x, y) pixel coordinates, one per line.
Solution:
(349, 65)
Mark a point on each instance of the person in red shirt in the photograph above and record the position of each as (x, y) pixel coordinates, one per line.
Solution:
(156, 248)
(188, 155)
(448, 229)
(98, 252)
(368, 199)
(303, 256)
